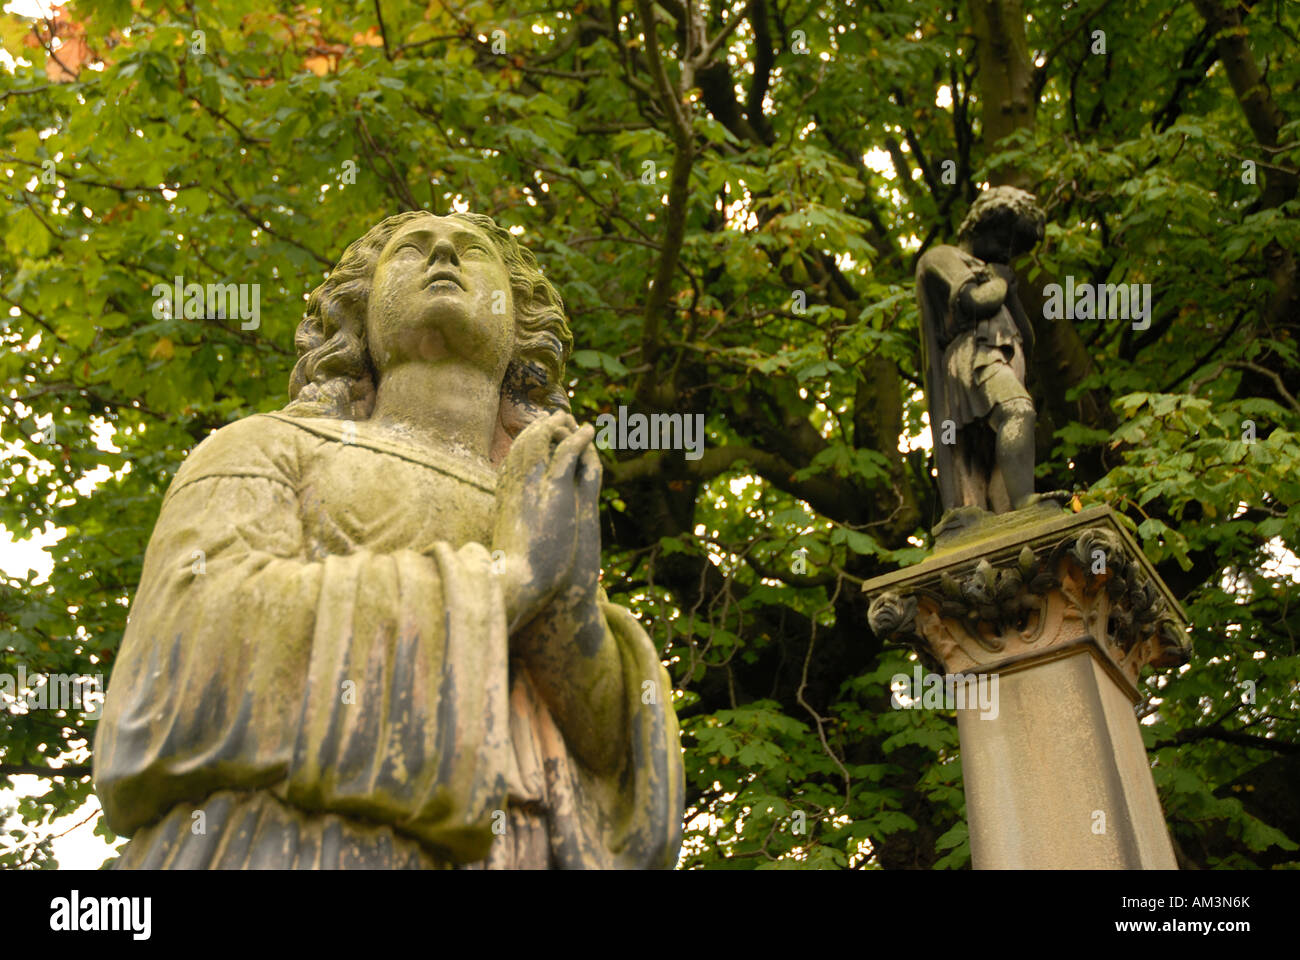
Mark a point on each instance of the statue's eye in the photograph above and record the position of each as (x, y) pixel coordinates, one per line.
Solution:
(477, 247)
(412, 244)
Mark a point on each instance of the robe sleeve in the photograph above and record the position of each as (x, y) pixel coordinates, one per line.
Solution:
(630, 817)
(368, 684)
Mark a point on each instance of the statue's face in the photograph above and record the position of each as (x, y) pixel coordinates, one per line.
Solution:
(441, 290)
(991, 242)
(1003, 236)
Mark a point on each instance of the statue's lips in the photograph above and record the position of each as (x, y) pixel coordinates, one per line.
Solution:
(445, 276)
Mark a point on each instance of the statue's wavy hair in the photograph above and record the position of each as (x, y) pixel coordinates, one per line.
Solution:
(335, 374)
(1005, 205)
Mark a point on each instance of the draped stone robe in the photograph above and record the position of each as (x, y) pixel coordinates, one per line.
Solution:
(964, 364)
(316, 673)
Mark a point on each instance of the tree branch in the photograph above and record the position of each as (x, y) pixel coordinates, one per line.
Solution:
(38, 770)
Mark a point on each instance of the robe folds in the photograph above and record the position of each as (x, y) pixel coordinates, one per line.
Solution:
(316, 673)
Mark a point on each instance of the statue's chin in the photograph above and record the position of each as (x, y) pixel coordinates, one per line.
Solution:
(445, 328)
(454, 317)
(446, 309)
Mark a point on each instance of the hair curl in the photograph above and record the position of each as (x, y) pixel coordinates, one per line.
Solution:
(335, 374)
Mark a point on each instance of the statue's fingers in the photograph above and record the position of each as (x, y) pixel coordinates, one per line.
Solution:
(587, 547)
(589, 477)
(542, 427)
(534, 446)
(570, 449)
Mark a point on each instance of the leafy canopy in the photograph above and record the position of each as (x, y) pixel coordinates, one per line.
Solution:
(731, 197)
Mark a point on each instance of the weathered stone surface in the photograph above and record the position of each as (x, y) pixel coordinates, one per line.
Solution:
(369, 631)
(976, 342)
(1065, 611)
(1027, 587)
(1059, 778)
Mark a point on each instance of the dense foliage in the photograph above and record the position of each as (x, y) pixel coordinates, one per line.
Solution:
(732, 198)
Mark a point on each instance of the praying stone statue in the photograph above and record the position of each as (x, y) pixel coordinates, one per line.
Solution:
(369, 631)
(975, 340)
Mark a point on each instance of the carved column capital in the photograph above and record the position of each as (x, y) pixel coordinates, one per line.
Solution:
(1033, 593)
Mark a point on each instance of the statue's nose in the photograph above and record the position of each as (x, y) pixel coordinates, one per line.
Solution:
(444, 249)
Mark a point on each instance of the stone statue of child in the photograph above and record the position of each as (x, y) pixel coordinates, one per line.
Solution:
(369, 631)
(976, 340)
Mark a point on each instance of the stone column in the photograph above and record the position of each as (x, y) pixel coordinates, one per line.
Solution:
(1064, 611)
